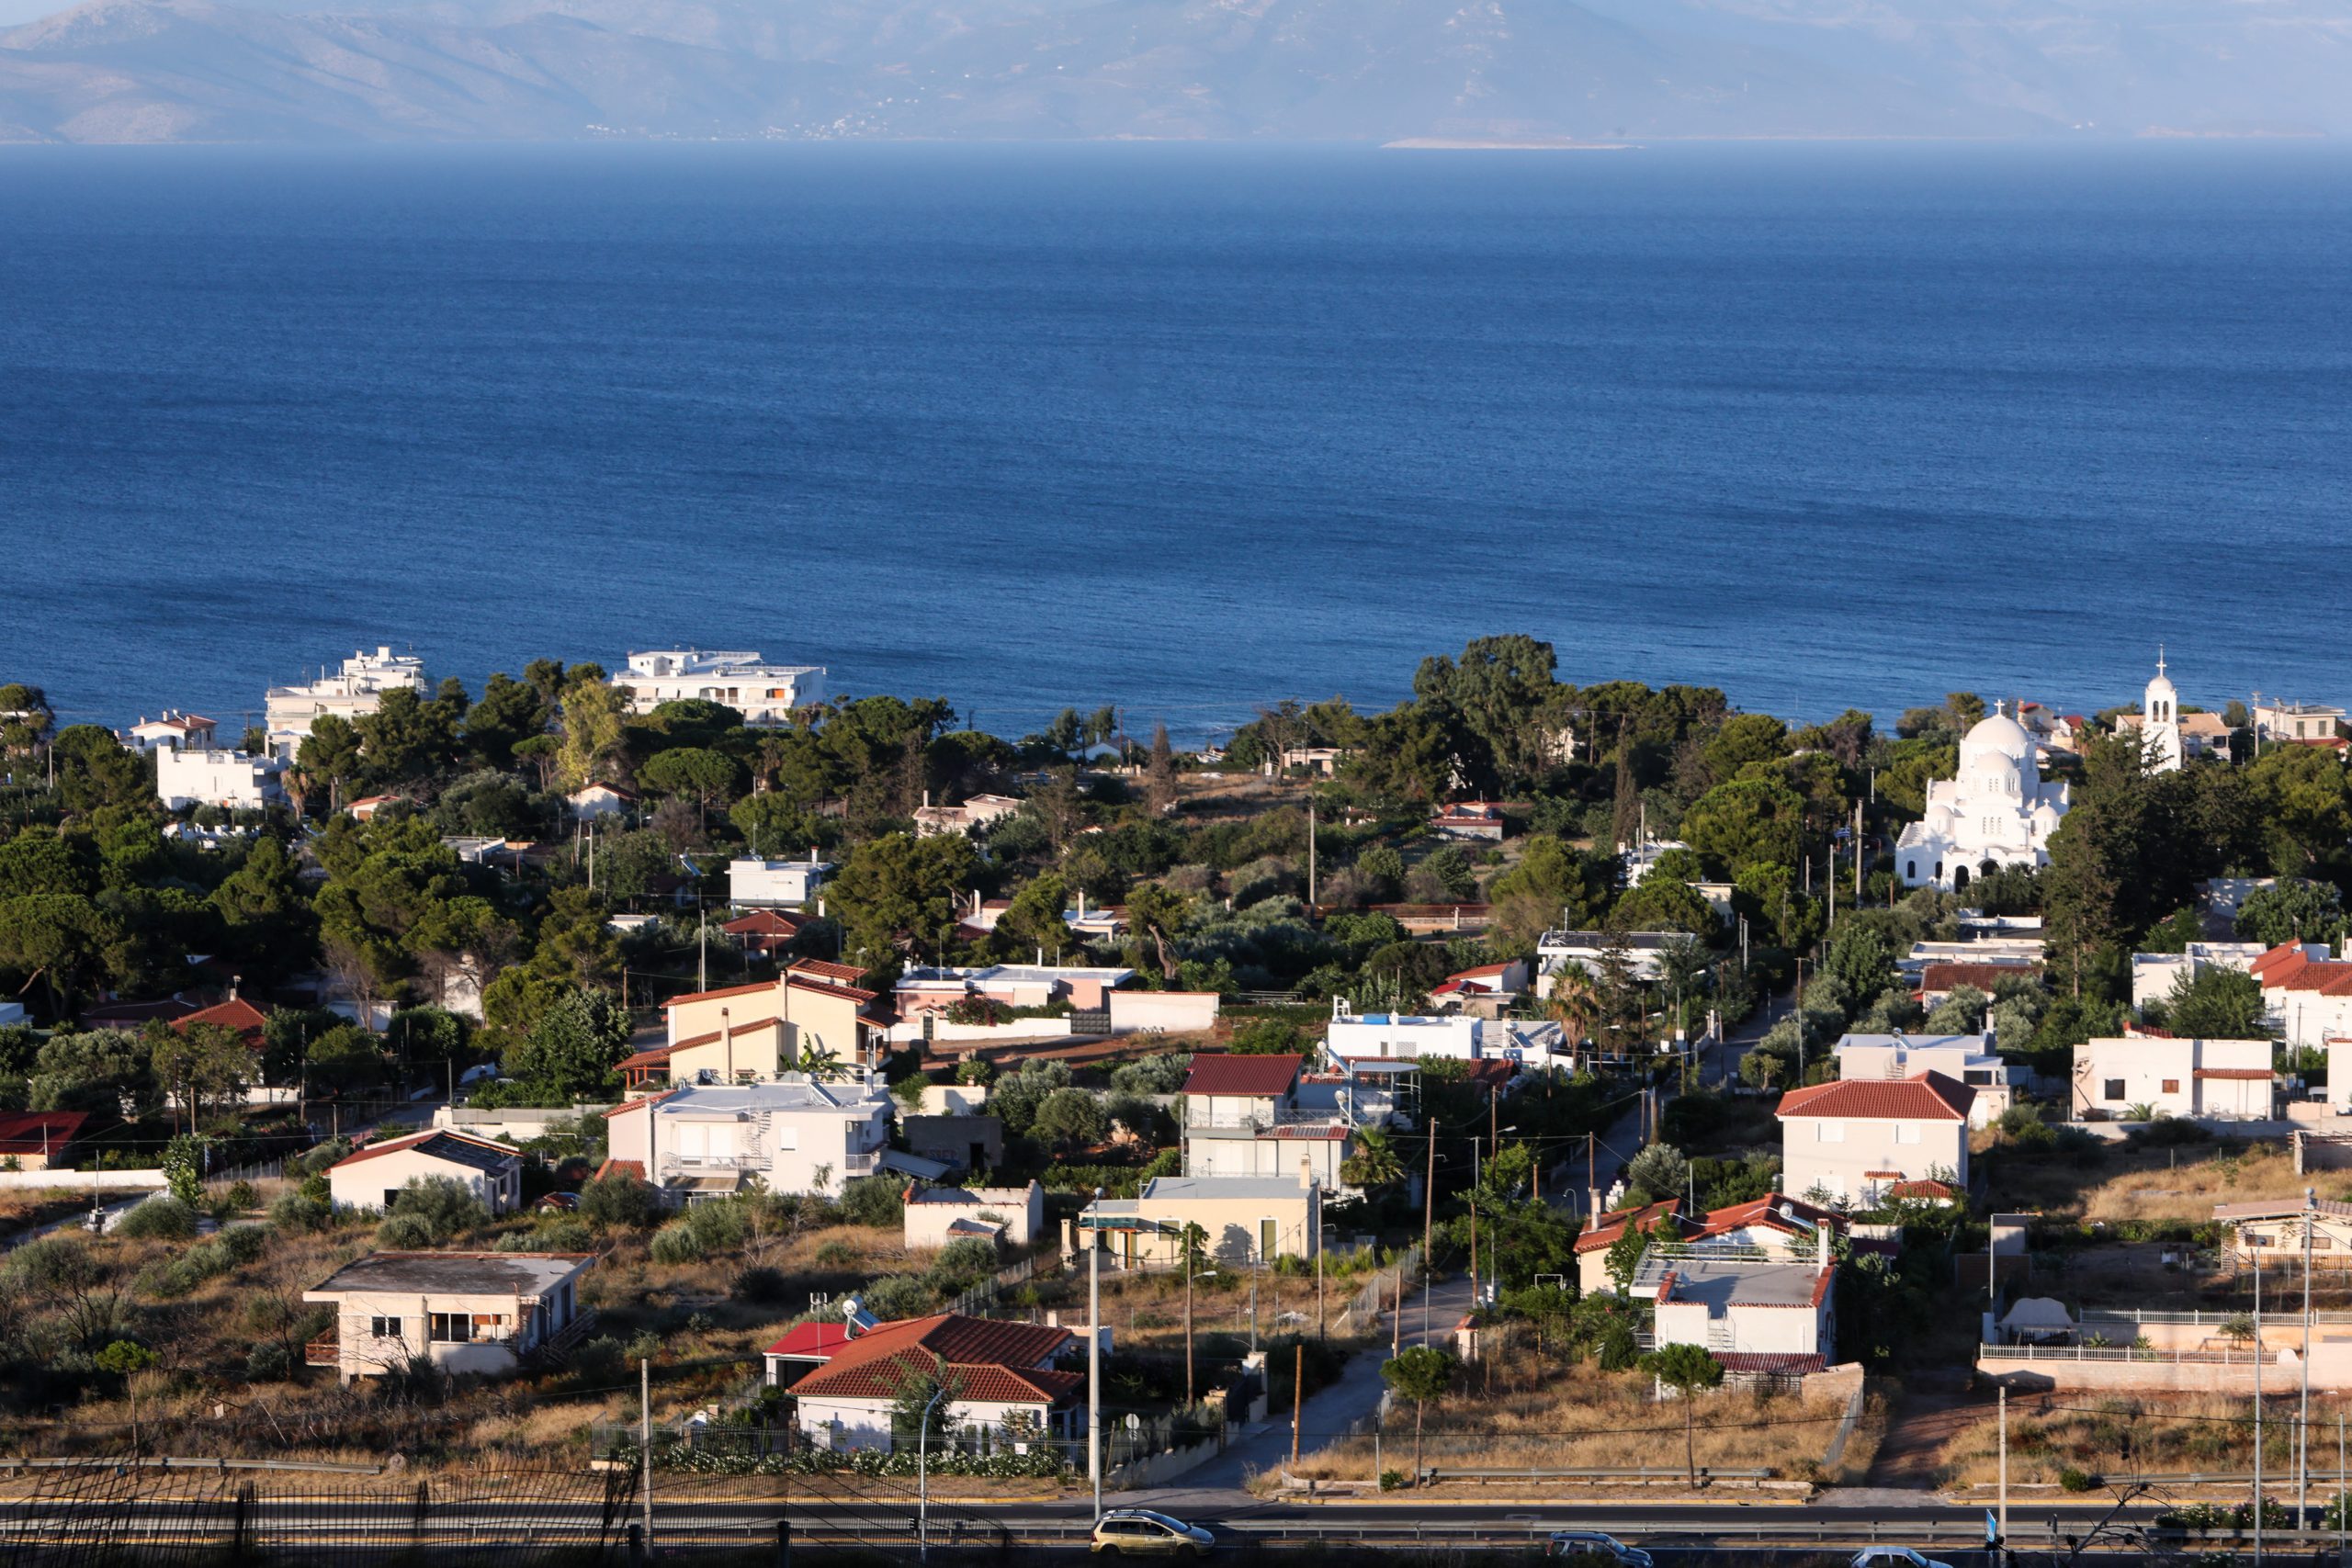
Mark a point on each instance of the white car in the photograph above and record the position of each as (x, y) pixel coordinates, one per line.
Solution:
(1892, 1557)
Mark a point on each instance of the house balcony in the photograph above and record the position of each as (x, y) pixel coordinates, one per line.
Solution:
(326, 1351)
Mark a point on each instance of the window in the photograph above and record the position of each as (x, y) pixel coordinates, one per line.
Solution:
(392, 1196)
(1265, 1239)
(384, 1327)
(449, 1328)
(2322, 1243)
(1982, 1077)
(489, 1325)
(2171, 1086)
(1910, 871)
(1906, 1132)
(2115, 1091)
(1829, 1132)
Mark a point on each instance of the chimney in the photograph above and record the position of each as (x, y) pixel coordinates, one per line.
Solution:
(1823, 1231)
(926, 800)
(233, 980)
(1305, 1173)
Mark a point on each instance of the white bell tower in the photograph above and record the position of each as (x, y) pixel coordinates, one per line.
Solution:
(2160, 720)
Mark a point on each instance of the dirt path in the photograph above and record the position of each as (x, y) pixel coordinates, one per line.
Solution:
(1909, 1456)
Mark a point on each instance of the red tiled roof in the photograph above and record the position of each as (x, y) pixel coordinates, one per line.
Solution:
(1477, 969)
(2250, 1074)
(722, 991)
(1492, 1072)
(2311, 975)
(39, 1131)
(621, 1167)
(1882, 1175)
(236, 1013)
(988, 1360)
(825, 988)
(1612, 1226)
(422, 1142)
(846, 975)
(1249, 1077)
(1921, 1189)
(1926, 1096)
(1983, 976)
(628, 1105)
(656, 1056)
(817, 1340)
(2278, 955)
(765, 923)
(1768, 1211)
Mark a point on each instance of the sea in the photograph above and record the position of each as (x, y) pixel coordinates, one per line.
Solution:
(1185, 430)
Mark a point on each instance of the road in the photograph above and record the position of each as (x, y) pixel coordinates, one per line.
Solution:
(1429, 1319)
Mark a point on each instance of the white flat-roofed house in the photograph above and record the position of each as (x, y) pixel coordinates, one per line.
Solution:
(2229, 1080)
(1850, 1141)
(355, 690)
(763, 693)
(755, 883)
(467, 1313)
(229, 779)
(1761, 1317)
(374, 1176)
(2279, 720)
(1478, 821)
(1963, 1058)
(1354, 1036)
(697, 1143)
(1014, 1216)
(975, 814)
(2154, 975)
(934, 990)
(1554, 951)
(175, 731)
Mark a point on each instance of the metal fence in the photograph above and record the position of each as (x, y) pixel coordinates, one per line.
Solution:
(980, 1297)
(1379, 1295)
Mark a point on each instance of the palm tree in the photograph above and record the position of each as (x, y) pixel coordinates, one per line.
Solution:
(818, 1060)
(297, 784)
(1574, 1003)
(1373, 1163)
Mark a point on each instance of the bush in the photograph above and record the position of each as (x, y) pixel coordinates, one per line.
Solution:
(675, 1243)
(1391, 1481)
(242, 1243)
(269, 1363)
(2072, 1480)
(761, 1285)
(430, 1212)
(837, 1254)
(718, 1226)
(894, 1296)
(157, 1219)
(960, 1265)
(875, 1201)
(300, 1211)
(1618, 1351)
(619, 1201)
(566, 1235)
(598, 1358)
(242, 1197)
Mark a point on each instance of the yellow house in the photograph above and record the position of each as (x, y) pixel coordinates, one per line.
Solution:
(1247, 1220)
(753, 1034)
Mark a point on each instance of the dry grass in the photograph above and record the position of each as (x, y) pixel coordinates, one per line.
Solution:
(1519, 1409)
(22, 1207)
(1146, 1310)
(2124, 1182)
(2115, 1436)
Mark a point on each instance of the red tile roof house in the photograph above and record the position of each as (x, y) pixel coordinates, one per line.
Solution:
(844, 1380)
(246, 1021)
(1762, 1317)
(766, 932)
(1849, 1141)
(1242, 1117)
(1593, 1247)
(36, 1140)
(1938, 979)
(374, 1176)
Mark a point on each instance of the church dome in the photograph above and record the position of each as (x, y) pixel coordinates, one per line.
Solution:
(1997, 758)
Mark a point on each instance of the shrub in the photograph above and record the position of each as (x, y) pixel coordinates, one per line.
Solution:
(300, 1211)
(566, 1235)
(960, 1265)
(675, 1243)
(619, 1201)
(430, 1212)
(896, 1296)
(242, 1243)
(837, 1254)
(1618, 1351)
(761, 1285)
(598, 1358)
(646, 1346)
(1391, 1481)
(875, 1201)
(2072, 1480)
(242, 1197)
(268, 1362)
(157, 1219)
(717, 1226)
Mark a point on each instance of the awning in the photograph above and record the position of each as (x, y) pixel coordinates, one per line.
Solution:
(905, 1164)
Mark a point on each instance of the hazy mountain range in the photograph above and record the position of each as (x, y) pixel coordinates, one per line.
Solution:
(1368, 70)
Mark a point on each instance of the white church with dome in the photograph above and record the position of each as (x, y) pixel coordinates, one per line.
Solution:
(1998, 809)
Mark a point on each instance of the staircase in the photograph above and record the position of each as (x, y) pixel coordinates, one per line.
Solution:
(554, 1353)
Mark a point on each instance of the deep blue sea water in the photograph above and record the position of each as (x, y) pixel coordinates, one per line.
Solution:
(1184, 429)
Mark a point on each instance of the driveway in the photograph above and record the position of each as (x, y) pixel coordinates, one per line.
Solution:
(1332, 1413)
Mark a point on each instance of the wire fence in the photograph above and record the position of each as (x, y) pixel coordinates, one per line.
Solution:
(111, 1512)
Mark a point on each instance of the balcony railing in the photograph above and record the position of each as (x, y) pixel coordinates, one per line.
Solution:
(324, 1352)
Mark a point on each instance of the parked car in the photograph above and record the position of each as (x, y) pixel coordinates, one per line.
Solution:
(1593, 1543)
(1892, 1557)
(482, 1074)
(1141, 1531)
(564, 1202)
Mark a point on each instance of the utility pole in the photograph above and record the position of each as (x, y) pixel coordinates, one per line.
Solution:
(1310, 854)
(645, 1441)
(1297, 1387)
(1094, 1362)
(1857, 855)
(2002, 1527)
(2257, 1412)
(2303, 1421)
(1428, 1225)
